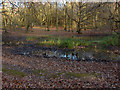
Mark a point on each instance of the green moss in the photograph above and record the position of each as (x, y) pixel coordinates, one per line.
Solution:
(53, 76)
(39, 72)
(36, 71)
(56, 75)
(81, 74)
(60, 73)
(14, 72)
(30, 38)
(43, 71)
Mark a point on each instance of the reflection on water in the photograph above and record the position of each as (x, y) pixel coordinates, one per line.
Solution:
(81, 54)
(88, 55)
(69, 56)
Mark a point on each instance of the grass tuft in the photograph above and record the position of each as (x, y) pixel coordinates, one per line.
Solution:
(14, 72)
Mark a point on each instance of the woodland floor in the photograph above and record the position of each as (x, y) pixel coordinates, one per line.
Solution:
(22, 71)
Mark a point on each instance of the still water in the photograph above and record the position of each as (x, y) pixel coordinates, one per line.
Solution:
(86, 54)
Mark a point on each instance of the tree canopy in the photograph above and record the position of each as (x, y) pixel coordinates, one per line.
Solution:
(73, 16)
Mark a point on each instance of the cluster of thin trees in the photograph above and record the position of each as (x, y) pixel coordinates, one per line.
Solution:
(70, 15)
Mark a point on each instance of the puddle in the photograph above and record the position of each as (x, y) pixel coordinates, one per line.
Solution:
(84, 54)
(89, 55)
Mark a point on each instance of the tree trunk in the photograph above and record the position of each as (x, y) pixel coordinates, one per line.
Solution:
(50, 15)
(79, 28)
(72, 17)
(48, 20)
(79, 22)
(69, 20)
(4, 17)
(119, 14)
(27, 28)
(56, 17)
(65, 28)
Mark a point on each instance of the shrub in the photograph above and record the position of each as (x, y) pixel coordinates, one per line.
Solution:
(111, 41)
(67, 44)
